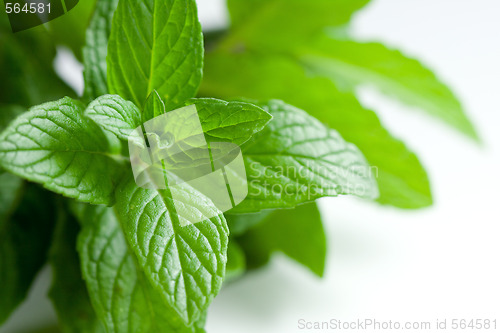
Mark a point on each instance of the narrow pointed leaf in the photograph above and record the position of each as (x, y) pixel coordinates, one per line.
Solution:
(96, 49)
(350, 63)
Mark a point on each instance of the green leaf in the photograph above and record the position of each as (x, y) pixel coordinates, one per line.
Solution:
(55, 145)
(155, 45)
(221, 121)
(296, 159)
(350, 63)
(123, 298)
(402, 180)
(68, 292)
(240, 223)
(28, 78)
(154, 107)
(115, 115)
(185, 264)
(96, 49)
(11, 187)
(24, 242)
(10, 193)
(236, 264)
(69, 29)
(8, 113)
(296, 232)
(279, 24)
(234, 122)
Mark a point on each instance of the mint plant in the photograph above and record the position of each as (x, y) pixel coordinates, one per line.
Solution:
(280, 83)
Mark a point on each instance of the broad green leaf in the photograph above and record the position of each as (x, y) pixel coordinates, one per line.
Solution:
(115, 115)
(24, 242)
(402, 180)
(350, 63)
(122, 296)
(296, 159)
(155, 45)
(96, 49)
(236, 264)
(296, 232)
(28, 77)
(154, 107)
(68, 292)
(185, 264)
(69, 29)
(221, 121)
(234, 122)
(55, 145)
(279, 24)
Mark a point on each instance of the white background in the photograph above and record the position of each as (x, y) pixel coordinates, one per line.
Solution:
(384, 263)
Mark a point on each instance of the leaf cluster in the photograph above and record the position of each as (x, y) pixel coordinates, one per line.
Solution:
(280, 83)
